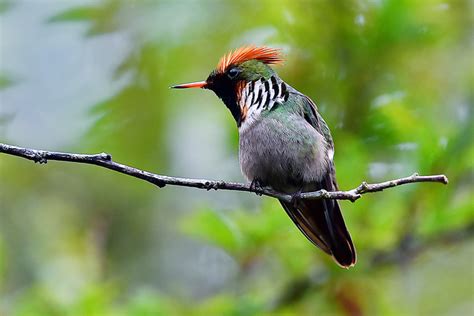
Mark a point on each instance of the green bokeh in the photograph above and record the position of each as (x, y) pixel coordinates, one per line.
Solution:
(393, 79)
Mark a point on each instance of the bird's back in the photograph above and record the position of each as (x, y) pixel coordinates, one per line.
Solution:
(283, 149)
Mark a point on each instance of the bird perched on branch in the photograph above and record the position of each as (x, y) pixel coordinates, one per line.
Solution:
(284, 143)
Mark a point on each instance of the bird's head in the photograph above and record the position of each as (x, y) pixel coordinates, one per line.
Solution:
(234, 71)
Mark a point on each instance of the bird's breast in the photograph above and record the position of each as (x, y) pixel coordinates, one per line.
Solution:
(282, 150)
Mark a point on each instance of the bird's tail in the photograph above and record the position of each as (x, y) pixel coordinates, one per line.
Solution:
(322, 223)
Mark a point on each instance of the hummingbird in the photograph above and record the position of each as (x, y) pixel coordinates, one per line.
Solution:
(284, 143)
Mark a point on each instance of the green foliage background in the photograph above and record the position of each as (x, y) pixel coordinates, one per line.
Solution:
(394, 80)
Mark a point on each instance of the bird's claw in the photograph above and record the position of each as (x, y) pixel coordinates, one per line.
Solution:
(296, 197)
(40, 157)
(257, 187)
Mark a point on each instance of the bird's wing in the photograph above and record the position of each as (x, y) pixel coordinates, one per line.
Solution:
(321, 221)
(310, 113)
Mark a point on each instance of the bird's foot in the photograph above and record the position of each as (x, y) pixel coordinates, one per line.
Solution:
(296, 197)
(256, 186)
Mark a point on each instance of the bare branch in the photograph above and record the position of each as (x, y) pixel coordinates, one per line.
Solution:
(105, 160)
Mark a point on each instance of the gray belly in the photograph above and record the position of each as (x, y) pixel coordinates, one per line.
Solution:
(285, 153)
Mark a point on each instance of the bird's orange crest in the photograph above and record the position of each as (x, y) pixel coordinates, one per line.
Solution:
(264, 54)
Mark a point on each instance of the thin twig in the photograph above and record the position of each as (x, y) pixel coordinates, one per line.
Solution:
(105, 160)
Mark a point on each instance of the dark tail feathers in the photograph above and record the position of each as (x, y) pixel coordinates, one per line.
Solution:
(322, 223)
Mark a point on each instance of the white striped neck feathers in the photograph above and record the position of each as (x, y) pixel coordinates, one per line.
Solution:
(247, 99)
(257, 96)
(247, 88)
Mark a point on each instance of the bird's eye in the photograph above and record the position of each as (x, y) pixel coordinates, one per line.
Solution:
(233, 72)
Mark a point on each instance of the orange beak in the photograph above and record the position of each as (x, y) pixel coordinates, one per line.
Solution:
(199, 84)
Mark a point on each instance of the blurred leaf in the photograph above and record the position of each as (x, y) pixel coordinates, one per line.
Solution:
(76, 14)
(101, 17)
(5, 82)
(213, 227)
(37, 302)
(95, 301)
(5, 5)
(148, 303)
